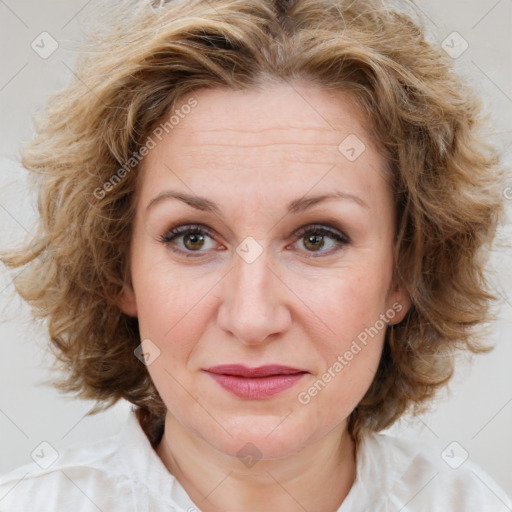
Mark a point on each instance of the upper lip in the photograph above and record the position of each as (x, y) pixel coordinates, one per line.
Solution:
(260, 371)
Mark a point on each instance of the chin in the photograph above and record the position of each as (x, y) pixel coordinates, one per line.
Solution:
(253, 438)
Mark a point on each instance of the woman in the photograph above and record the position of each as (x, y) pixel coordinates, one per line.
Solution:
(263, 226)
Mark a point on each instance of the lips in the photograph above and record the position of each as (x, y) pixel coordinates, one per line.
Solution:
(239, 370)
(255, 383)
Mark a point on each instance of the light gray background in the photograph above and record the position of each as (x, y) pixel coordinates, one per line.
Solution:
(476, 411)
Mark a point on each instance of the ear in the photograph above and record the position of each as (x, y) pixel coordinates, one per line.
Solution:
(399, 301)
(127, 302)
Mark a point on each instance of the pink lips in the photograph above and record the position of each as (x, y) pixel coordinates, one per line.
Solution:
(255, 383)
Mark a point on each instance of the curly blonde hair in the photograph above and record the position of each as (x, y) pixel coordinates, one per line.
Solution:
(131, 75)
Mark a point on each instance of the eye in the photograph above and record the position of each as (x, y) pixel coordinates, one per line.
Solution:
(316, 237)
(192, 238)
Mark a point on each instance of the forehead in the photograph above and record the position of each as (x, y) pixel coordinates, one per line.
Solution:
(285, 133)
(282, 112)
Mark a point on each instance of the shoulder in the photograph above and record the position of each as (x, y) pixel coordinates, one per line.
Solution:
(121, 473)
(79, 479)
(423, 477)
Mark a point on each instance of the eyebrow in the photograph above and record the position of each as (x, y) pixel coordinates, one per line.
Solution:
(296, 206)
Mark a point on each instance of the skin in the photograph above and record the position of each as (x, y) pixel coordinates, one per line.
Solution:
(299, 303)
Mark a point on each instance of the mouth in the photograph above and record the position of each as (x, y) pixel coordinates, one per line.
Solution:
(256, 383)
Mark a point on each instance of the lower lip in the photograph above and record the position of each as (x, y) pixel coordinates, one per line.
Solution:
(256, 388)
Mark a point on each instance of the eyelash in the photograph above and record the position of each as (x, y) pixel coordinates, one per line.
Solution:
(313, 229)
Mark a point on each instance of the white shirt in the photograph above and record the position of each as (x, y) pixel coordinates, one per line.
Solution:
(124, 474)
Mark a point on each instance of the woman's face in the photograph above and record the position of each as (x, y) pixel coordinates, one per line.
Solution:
(269, 273)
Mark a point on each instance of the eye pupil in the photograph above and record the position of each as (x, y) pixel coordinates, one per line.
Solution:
(195, 238)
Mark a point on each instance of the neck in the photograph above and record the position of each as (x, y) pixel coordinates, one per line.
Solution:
(317, 476)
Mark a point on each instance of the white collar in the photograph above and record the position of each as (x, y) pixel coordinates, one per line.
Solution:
(146, 470)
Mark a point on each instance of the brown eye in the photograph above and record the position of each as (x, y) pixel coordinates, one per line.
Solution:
(313, 242)
(315, 238)
(188, 239)
(193, 241)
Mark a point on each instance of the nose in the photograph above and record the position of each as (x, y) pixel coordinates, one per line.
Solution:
(253, 306)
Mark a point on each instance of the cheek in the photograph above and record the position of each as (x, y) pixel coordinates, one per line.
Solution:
(349, 332)
(346, 302)
(172, 315)
(166, 295)
(169, 309)
(348, 351)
